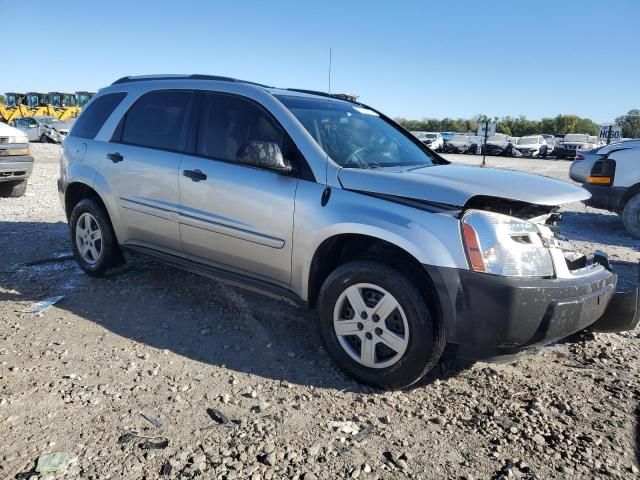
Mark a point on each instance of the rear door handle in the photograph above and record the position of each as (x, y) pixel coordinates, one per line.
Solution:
(115, 157)
(195, 175)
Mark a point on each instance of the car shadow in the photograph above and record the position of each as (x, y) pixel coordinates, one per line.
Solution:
(169, 309)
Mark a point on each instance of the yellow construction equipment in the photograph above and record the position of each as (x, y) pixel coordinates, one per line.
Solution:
(60, 105)
(14, 107)
(82, 98)
(38, 103)
(63, 104)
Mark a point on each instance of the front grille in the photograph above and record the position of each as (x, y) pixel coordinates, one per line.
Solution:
(4, 139)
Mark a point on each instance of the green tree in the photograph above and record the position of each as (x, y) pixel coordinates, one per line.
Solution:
(630, 123)
(3, 100)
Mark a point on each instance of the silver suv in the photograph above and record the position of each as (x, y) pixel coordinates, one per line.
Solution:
(326, 202)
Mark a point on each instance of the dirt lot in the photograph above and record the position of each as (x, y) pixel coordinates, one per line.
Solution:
(170, 345)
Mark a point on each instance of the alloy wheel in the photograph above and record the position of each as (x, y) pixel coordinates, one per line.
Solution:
(370, 325)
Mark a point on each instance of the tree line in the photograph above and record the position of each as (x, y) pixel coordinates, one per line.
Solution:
(520, 126)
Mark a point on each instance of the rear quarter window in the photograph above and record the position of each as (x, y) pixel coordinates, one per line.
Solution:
(158, 120)
(95, 114)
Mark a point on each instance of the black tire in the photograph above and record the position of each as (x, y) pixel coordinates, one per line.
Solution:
(426, 339)
(44, 138)
(631, 216)
(13, 189)
(110, 255)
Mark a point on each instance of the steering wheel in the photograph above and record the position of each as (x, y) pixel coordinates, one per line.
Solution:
(353, 158)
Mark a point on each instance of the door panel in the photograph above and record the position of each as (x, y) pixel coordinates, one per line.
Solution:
(144, 165)
(145, 183)
(240, 218)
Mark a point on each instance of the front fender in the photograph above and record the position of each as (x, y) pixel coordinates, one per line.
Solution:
(431, 238)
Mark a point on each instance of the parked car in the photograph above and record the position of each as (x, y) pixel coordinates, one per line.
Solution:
(551, 143)
(446, 136)
(612, 175)
(532, 146)
(328, 203)
(573, 142)
(433, 140)
(500, 145)
(459, 143)
(43, 129)
(16, 162)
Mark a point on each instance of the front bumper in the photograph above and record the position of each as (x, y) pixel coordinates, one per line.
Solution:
(605, 197)
(495, 315)
(16, 167)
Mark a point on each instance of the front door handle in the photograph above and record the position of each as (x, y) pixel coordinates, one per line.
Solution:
(195, 175)
(115, 157)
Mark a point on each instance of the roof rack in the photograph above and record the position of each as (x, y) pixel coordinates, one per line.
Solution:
(194, 76)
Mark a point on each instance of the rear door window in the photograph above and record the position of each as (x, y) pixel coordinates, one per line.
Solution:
(158, 120)
(95, 114)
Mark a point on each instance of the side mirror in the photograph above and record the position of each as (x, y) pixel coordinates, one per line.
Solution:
(265, 155)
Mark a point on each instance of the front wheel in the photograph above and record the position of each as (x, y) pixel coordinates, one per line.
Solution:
(377, 326)
(631, 216)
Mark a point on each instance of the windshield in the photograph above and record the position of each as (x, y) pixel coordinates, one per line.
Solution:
(430, 136)
(576, 138)
(497, 138)
(354, 136)
(528, 141)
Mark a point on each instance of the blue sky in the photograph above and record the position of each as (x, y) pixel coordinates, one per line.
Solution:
(413, 59)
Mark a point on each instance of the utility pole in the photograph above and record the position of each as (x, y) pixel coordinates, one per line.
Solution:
(609, 134)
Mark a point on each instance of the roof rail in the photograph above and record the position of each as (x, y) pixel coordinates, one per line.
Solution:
(194, 76)
(338, 96)
(142, 78)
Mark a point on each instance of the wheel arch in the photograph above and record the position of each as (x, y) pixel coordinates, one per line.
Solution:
(344, 247)
(78, 190)
(631, 192)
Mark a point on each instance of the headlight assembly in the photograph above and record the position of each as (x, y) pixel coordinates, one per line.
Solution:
(504, 245)
(22, 139)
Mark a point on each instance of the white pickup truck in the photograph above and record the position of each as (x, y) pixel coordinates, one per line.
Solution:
(612, 175)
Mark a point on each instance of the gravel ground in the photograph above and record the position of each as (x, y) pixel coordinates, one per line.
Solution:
(243, 389)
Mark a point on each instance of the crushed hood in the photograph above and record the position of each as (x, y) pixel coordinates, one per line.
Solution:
(457, 184)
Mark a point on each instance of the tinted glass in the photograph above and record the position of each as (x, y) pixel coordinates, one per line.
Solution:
(157, 120)
(355, 136)
(94, 115)
(227, 123)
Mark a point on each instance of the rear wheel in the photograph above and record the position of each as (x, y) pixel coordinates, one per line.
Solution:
(631, 216)
(44, 138)
(94, 244)
(377, 326)
(13, 189)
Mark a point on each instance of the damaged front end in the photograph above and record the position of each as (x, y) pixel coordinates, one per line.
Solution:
(501, 150)
(557, 290)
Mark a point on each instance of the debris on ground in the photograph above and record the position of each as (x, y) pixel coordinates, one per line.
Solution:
(217, 416)
(54, 462)
(157, 445)
(348, 427)
(41, 307)
(156, 422)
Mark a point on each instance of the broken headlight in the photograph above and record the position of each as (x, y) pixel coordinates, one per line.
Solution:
(504, 245)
